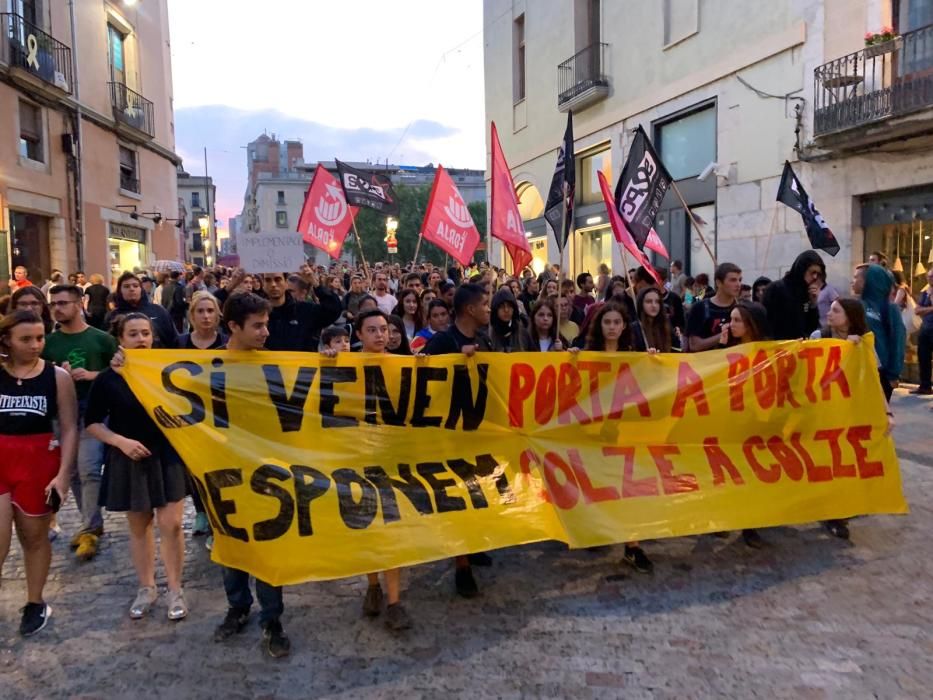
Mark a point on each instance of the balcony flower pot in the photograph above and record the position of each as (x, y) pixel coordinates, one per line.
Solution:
(884, 47)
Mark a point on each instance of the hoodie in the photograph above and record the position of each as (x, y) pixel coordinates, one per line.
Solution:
(790, 313)
(505, 337)
(884, 320)
(166, 335)
(297, 325)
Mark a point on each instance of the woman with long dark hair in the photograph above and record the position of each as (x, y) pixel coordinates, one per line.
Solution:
(610, 331)
(655, 324)
(408, 309)
(542, 333)
(397, 343)
(35, 472)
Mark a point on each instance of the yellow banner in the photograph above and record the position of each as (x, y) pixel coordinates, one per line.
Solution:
(316, 468)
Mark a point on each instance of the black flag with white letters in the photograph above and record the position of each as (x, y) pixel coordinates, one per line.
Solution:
(641, 188)
(792, 193)
(558, 211)
(367, 189)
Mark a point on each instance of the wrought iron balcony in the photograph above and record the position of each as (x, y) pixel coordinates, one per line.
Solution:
(581, 79)
(41, 55)
(132, 109)
(879, 82)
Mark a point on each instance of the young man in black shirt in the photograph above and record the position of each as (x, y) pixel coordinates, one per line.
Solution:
(247, 319)
(472, 311)
(297, 325)
(709, 315)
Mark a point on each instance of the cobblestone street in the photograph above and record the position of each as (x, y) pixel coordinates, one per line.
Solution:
(807, 617)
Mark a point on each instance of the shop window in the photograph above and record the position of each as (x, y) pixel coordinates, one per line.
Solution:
(127, 246)
(129, 172)
(281, 219)
(688, 144)
(590, 165)
(30, 132)
(591, 249)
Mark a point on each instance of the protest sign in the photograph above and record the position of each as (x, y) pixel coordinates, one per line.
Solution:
(317, 468)
(270, 252)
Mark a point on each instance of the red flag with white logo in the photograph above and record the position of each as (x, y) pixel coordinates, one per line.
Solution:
(447, 222)
(621, 232)
(505, 221)
(325, 216)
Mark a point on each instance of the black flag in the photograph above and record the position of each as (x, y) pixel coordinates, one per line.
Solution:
(641, 188)
(792, 194)
(366, 189)
(558, 211)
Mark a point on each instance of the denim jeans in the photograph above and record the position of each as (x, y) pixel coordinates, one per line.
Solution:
(85, 480)
(236, 585)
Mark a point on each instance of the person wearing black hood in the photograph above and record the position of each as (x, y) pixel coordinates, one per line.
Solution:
(505, 326)
(297, 325)
(131, 297)
(791, 301)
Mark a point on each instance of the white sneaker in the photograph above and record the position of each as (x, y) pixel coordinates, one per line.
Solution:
(177, 607)
(145, 599)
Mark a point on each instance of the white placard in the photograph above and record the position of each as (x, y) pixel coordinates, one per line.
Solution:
(270, 252)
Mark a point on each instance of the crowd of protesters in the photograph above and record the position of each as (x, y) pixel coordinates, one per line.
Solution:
(75, 425)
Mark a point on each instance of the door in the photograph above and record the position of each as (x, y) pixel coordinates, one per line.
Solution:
(116, 49)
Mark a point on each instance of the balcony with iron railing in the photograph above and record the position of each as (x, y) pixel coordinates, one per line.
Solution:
(582, 79)
(132, 112)
(37, 56)
(860, 98)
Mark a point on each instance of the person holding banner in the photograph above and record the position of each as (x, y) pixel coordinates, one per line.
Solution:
(610, 331)
(372, 328)
(204, 319)
(143, 476)
(709, 314)
(471, 314)
(656, 326)
(247, 319)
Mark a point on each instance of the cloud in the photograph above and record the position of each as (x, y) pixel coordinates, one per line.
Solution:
(225, 131)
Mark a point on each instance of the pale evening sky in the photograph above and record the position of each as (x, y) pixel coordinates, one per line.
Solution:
(346, 78)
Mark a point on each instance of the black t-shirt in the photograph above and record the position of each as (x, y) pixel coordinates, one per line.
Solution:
(97, 295)
(112, 401)
(706, 319)
(452, 341)
(184, 342)
(30, 407)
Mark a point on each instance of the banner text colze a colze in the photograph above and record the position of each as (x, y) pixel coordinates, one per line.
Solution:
(315, 468)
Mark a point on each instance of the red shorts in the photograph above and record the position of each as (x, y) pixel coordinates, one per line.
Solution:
(27, 465)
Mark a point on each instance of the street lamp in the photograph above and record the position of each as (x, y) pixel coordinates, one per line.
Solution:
(391, 241)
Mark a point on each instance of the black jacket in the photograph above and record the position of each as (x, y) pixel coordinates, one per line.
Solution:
(505, 337)
(297, 325)
(790, 313)
(166, 335)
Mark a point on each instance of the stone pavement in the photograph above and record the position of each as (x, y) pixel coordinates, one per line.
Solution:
(807, 617)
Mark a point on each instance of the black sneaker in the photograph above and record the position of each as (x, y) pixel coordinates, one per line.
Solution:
(838, 528)
(466, 584)
(233, 623)
(397, 618)
(638, 560)
(372, 602)
(35, 617)
(480, 559)
(753, 539)
(274, 640)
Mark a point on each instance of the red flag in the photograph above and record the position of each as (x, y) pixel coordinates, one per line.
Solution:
(447, 222)
(621, 232)
(655, 243)
(505, 221)
(325, 217)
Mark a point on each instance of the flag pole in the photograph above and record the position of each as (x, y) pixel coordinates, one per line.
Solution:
(696, 225)
(417, 248)
(359, 244)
